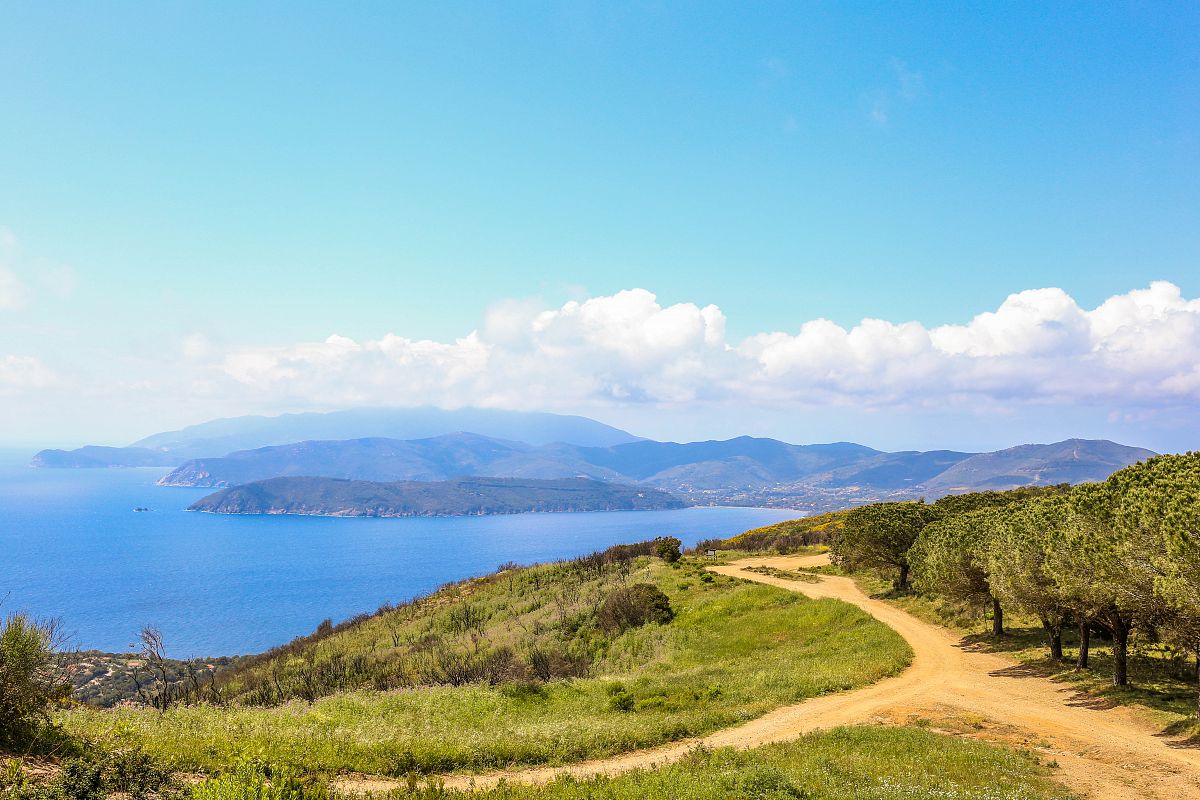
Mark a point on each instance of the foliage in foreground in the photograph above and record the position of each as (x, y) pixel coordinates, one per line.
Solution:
(92, 775)
(31, 677)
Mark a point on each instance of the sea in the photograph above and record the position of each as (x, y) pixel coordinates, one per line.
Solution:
(73, 548)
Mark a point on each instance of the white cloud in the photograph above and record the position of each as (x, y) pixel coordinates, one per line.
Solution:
(907, 87)
(911, 84)
(195, 346)
(20, 373)
(1139, 349)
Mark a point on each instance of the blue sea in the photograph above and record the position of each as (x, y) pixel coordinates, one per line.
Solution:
(72, 547)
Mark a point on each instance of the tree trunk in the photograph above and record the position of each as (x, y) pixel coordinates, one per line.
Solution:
(997, 618)
(1120, 631)
(902, 581)
(1198, 685)
(1053, 638)
(1085, 639)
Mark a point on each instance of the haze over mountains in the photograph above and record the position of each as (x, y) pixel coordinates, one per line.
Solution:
(740, 471)
(221, 436)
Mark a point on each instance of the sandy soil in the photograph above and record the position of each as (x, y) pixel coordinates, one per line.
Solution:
(1103, 753)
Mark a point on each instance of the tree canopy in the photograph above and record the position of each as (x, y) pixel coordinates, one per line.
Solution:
(879, 536)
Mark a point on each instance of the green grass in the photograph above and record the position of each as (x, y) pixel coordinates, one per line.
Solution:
(786, 574)
(864, 763)
(734, 651)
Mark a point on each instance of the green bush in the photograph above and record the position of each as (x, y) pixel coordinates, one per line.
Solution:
(635, 606)
(252, 781)
(621, 701)
(667, 548)
(93, 777)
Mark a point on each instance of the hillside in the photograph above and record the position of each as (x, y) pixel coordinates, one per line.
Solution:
(787, 536)
(108, 679)
(221, 436)
(463, 496)
(707, 465)
(529, 665)
(1070, 461)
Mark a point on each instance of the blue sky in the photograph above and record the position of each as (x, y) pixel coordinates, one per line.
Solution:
(189, 183)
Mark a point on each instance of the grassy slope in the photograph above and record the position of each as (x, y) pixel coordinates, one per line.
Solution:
(734, 651)
(789, 536)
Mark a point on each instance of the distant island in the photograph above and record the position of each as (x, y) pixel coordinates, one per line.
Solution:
(338, 497)
(95, 456)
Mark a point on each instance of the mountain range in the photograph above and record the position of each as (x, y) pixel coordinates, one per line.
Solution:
(741, 462)
(745, 469)
(391, 445)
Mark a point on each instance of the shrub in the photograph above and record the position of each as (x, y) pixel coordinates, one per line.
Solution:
(621, 701)
(667, 548)
(95, 777)
(254, 782)
(30, 677)
(635, 606)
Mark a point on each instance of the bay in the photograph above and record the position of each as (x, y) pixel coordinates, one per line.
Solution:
(72, 547)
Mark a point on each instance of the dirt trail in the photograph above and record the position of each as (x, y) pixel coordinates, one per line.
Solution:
(1104, 754)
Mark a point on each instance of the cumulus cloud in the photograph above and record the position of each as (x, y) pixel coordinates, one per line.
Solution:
(1139, 349)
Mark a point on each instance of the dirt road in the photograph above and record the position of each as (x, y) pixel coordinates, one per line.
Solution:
(1104, 753)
